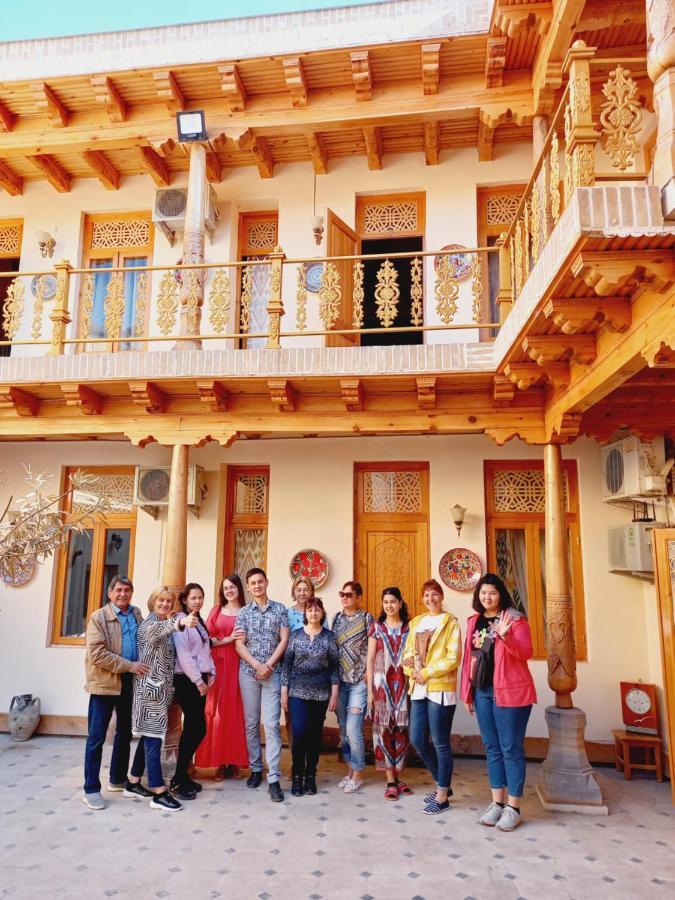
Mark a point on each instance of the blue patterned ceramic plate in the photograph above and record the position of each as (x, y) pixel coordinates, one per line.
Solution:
(460, 263)
(48, 286)
(313, 276)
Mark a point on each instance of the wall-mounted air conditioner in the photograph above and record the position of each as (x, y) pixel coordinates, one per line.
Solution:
(631, 468)
(169, 211)
(630, 547)
(151, 486)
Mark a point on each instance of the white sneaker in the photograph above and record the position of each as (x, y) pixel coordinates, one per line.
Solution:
(353, 785)
(492, 815)
(94, 801)
(510, 819)
(344, 782)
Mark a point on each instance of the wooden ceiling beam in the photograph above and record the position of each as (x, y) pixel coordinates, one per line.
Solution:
(581, 313)
(550, 348)
(88, 401)
(7, 118)
(47, 101)
(169, 90)
(232, 87)
(432, 143)
(108, 96)
(53, 171)
(431, 68)
(259, 147)
(282, 394)
(361, 74)
(295, 80)
(317, 151)
(495, 61)
(104, 170)
(23, 403)
(212, 395)
(486, 138)
(214, 168)
(503, 390)
(155, 166)
(351, 394)
(10, 181)
(548, 63)
(426, 392)
(373, 141)
(598, 15)
(514, 20)
(148, 395)
(526, 374)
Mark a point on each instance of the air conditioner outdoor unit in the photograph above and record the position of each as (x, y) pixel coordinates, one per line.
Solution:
(630, 547)
(632, 469)
(151, 486)
(170, 206)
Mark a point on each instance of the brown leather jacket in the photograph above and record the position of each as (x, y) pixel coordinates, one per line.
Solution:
(103, 661)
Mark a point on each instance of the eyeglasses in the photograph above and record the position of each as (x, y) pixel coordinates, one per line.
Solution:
(343, 594)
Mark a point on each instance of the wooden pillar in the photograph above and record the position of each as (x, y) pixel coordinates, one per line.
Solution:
(540, 128)
(275, 307)
(580, 133)
(504, 292)
(192, 290)
(60, 317)
(562, 676)
(661, 69)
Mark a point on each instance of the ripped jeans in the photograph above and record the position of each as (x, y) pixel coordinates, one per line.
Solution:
(350, 712)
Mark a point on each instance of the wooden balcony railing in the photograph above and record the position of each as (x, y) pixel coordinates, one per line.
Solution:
(588, 142)
(121, 308)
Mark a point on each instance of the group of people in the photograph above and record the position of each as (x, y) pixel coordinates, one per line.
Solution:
(249, 661)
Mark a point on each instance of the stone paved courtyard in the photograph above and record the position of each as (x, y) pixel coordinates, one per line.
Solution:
(233, 843)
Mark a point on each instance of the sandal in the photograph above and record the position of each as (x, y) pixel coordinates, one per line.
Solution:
(403, 788)
(391, 792)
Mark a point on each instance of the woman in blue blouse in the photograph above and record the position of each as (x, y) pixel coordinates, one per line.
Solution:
(310, 681)
(302, 590)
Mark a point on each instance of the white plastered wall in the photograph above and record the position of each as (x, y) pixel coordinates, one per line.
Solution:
(311, 505)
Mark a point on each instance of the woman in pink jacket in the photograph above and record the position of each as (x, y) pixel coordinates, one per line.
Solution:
(497, 686)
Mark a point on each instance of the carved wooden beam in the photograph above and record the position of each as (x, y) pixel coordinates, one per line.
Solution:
(567, 427)
(104, 170)
(282, 394)
(7, 118)
(107, 95)
(514, 20)
(426, 392)
(503, 390)
(53, 171)
(526, 375)
(548, 348)
(212, 395)
(574, 315)
(85, 399)
(547, 65)
(607, 272)
(659, 354)
(47, 101)
(317, 151)
(259, 147)
(432, 139)
(214, 168)
(23, 403)
(361, 74)
(155, 166)
(486, 138)
(495, 60)
(373, 140)
(10, 181)
(295, 80)
(231, 86)
(147, 395)
(351, 392)
(598, 14)
(169, 90)
(431, 68)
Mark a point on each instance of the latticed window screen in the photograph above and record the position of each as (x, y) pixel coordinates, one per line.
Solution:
(10, 239)
(522, 491)
(261, 234)
(397, 215)
(392, 492)
(113, 233)
(247, 519)
(117, 488)
(501, 208)
(251, 495)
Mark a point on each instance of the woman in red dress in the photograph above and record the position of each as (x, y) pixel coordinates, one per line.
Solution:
(224, 746)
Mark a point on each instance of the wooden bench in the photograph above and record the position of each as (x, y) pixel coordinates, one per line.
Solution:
(626, 741)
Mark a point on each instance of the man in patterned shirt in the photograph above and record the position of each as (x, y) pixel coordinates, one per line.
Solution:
(265, 626)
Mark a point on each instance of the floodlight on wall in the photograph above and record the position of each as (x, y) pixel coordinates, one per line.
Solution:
(191, 126)
(458, 512)
(46, 243)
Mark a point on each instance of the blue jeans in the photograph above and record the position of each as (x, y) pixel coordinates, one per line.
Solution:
(101, 708)
(430, 725)
(503, 731)
(262, 699)
(153, 760)
(308, 718)
(351, 709)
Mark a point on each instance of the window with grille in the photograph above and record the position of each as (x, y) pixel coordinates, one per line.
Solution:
(246, 519)
(515, 497)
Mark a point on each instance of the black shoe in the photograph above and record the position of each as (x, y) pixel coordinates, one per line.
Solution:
(195, 785)
(310, 784)
(165, 801)
(136, 791)
(276, 794)
(183, 791)
(254, 780)
(297, 789)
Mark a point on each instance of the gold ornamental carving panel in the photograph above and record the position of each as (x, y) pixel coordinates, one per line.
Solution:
(522, 491)
(500, 209)
(117, 489)
(379, 218)
(261, 235)
(251, 495)
(10, 240)
(114, 233)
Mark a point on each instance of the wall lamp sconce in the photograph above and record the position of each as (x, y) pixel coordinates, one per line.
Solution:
(317, 228)
(458, 512)
(46, 243)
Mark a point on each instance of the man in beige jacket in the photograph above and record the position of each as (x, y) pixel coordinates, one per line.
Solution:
(111, 661)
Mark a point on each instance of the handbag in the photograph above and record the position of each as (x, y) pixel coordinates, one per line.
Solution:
(478, 665)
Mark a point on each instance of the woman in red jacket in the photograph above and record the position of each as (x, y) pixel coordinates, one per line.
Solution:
(497, 686)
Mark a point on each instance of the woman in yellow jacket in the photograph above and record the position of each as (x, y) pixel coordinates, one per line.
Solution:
(431, 658)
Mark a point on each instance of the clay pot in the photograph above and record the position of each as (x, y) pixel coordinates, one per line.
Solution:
(24, 716)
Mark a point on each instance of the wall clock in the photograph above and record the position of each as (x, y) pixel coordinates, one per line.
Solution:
(639, 707)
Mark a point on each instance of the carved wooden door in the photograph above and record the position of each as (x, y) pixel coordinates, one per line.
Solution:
(341, 240)
(392, 530)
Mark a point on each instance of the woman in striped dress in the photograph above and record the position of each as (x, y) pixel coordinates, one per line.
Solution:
(387, 696)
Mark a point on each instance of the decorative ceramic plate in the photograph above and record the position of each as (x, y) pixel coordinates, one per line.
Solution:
(460, 569)
(460, 263)
(312, 565)
(313, 276)
(22, 573)
(48, 286)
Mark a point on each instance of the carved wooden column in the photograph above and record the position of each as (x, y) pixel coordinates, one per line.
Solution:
(192, 290)
(661, 69)
(504, 292)
(540, 126)
(60, 316)
(580, 134)
(275, 306)
(568, 782)
(173, 575)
